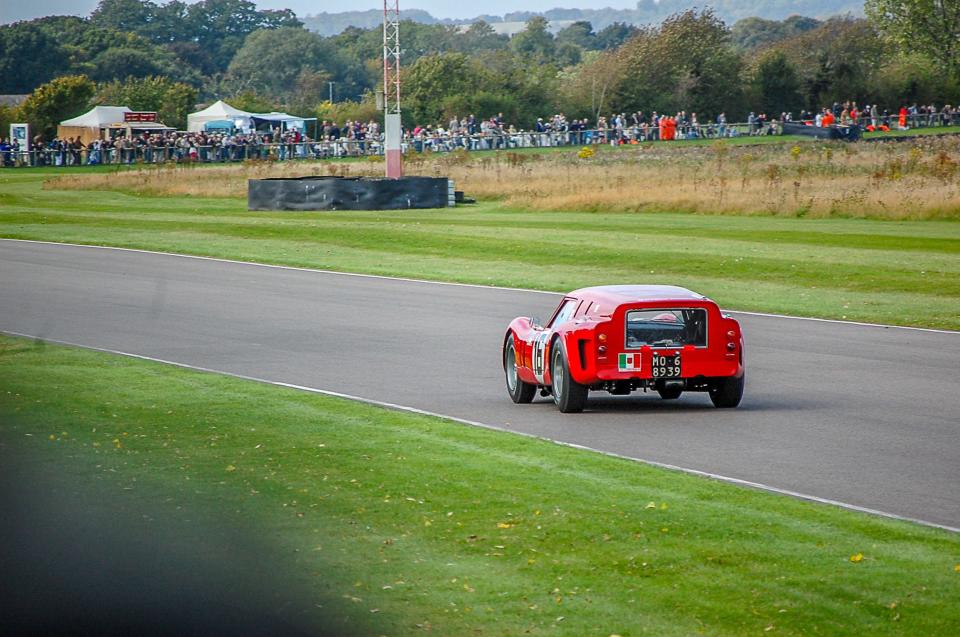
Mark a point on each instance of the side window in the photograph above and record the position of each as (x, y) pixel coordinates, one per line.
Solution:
(564, 312)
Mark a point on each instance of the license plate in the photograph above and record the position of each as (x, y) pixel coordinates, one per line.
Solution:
(665, 365)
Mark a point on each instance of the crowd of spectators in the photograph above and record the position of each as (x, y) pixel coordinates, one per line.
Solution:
(356, 138)
(871, 117)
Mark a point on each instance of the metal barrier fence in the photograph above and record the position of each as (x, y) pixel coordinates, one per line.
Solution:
(183, 151)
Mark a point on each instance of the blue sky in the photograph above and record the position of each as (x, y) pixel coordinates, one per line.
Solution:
(13, 10)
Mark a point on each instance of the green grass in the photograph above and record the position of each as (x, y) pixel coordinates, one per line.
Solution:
(463, 530)
(913, 132)
(898, 272)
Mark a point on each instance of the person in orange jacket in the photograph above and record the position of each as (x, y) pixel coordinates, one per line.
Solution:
(828, 119)
(903, 117)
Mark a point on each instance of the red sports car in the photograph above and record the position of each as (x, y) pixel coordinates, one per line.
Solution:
(620, 338)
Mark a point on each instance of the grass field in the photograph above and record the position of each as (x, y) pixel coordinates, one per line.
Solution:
(899, 272)
(401, 524)
(899, 181)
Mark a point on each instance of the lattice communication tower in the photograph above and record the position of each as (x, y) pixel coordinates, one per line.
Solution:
(391, 88)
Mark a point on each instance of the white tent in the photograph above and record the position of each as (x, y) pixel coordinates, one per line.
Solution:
(90, 125)
(98, 117)
(218, 111)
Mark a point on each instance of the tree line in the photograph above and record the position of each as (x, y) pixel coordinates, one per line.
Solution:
(167, 57)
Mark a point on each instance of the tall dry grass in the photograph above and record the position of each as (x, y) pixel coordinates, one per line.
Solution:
(910, 180)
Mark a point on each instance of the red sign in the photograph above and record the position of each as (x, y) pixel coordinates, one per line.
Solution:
(141, 116)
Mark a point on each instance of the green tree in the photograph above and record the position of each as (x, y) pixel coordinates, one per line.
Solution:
(272, 60)
(568, 54)
(8, 115)
(221, 27)
(685, 64)
(750, 33)
(837, 60)
(104, 53)
(120, 62)
(62, 98)
(171, 100)
(912, 77)
(532, 87)
(615, 35)
(29, 56)
(123, 15)
(167, 23)
(930, 27)
(580, 34)
(253, 102)
(777, 85)
(535, 40)
(433, 79)
(479, 37)
(586, 91)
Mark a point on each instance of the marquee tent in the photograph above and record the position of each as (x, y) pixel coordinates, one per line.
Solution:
(217, 112)
(284, 121)
(90, 125)
(215, 115)
(98, 117)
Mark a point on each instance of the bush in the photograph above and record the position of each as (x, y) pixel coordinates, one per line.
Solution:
(60, 99)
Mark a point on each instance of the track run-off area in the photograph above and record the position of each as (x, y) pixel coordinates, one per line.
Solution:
(860, 415)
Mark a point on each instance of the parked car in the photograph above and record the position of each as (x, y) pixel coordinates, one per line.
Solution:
(622, 338)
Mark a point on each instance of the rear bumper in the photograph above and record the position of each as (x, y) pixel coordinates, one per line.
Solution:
(698, 363)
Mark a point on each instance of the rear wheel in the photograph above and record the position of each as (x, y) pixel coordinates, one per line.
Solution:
(520, 392)
(728, 392)
(569, 395)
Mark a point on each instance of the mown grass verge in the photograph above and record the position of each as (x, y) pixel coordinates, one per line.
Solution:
(411, 524)
(898, 272)
(891, 181)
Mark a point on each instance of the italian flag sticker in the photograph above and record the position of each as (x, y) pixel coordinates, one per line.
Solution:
(629, 362)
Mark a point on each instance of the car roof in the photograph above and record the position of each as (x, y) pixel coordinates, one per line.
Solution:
(619, 294)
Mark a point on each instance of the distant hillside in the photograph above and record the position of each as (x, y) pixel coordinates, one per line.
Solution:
(327, 24)
(647, 12)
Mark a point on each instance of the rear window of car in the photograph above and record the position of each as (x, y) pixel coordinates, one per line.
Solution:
(564, 312)
(667, 327)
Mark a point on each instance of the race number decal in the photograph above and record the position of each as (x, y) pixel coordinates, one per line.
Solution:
(539, 361)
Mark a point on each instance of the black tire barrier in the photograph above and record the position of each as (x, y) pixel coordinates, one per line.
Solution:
(347, 193)
(842, 133)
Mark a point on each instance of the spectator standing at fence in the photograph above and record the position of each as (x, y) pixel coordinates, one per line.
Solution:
(6, 149)
(845, 117)
(76, 149)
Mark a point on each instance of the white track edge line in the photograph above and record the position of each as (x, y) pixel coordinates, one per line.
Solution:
(451, 283)
(474, 423)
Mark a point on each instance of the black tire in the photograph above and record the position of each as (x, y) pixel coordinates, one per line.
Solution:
(728, 392)
(569, 395)
(520, 392)
(670, 393)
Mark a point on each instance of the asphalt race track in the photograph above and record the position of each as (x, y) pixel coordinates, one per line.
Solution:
(864, 415)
